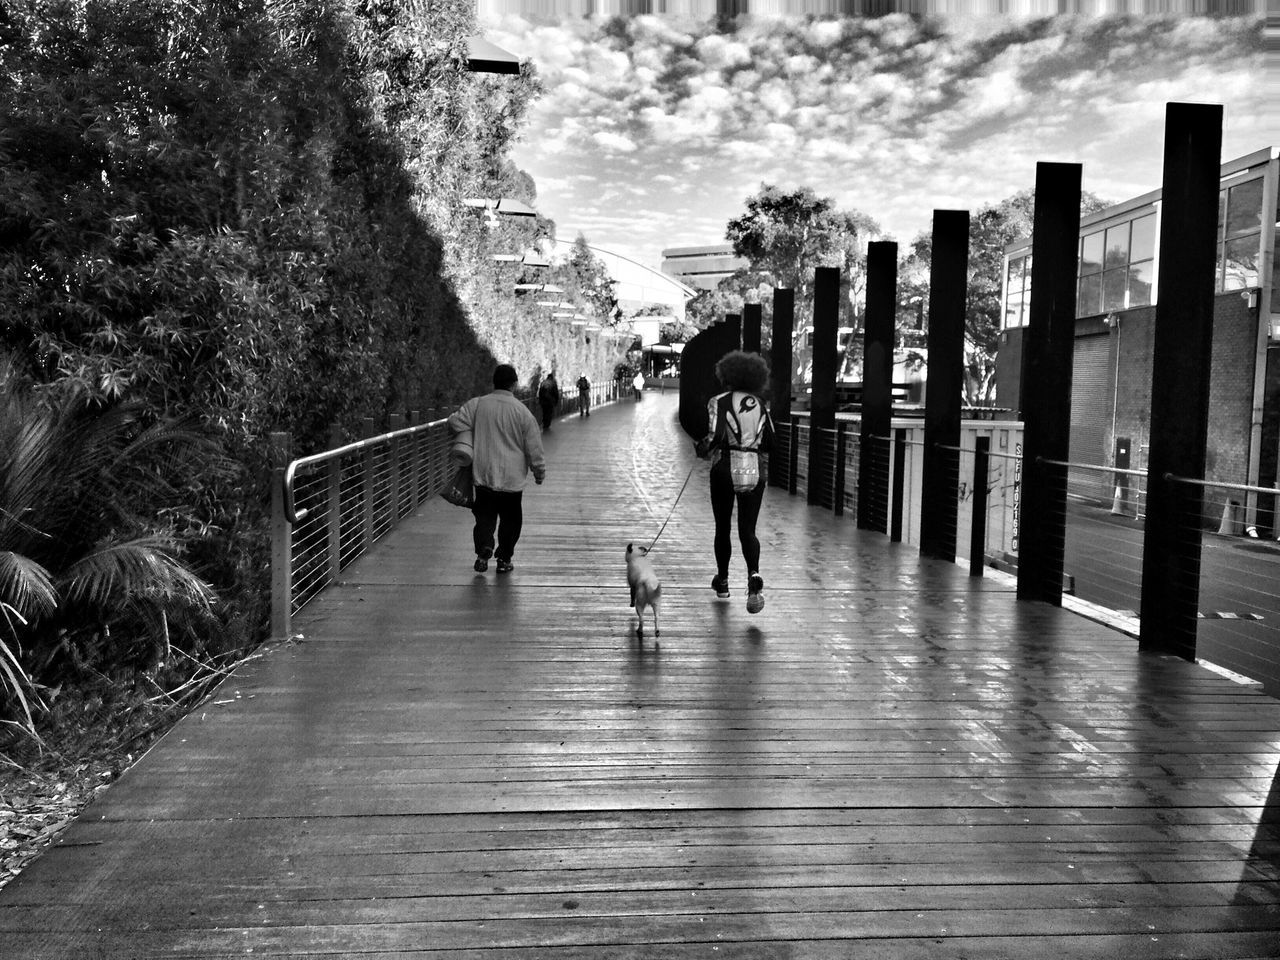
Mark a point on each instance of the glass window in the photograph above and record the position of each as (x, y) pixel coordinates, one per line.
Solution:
(1244, 209)
(1117, 252)
(1241, 267)
(1140, 277)
(1142, 246)
(1013, 312)
(1089, 302)
(1091, 249)
(1113, 289)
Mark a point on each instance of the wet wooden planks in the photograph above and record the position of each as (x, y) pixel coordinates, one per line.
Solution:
(892, 760)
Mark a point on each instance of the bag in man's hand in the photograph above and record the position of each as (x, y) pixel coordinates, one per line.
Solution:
(461, 489)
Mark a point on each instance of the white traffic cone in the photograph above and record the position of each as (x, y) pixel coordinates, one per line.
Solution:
(1120, 503)
(1227, 528)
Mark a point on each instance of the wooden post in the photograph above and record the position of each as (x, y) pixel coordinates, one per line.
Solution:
(698, 382)
(333, 510)
(1180, 378)
(822, 403)
(281, 542)
(947, 287)
(367, 431)
(899, 484)
(978, 529)
(752, 316)
(877, 385)
(1048, 349)
(780, 376)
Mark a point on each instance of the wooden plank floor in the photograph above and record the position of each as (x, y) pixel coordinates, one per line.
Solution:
(890, 761)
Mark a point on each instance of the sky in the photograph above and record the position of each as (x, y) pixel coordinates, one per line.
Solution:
(654, 130)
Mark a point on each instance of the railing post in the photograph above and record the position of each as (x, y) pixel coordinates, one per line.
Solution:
(394, 422)
(334, 500)
(793, 456)
(978, 534)
(837, 505)
(367, 431)
(1180, 378)
(415, 473)
(281, 542)
(899, 484)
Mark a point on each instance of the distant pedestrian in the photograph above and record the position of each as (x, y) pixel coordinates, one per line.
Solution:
(638, 385)
(584, 396)
(741, 432)
(548, 399)
(507, 446)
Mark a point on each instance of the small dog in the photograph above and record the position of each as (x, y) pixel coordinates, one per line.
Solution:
(646, 588)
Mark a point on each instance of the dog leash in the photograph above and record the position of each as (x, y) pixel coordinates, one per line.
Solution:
(687, 478)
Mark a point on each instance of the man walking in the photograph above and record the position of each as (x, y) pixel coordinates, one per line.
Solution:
(548, 399)
(507, 446)
(584, 396)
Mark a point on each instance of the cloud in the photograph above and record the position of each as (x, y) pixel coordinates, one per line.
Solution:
(893, 115)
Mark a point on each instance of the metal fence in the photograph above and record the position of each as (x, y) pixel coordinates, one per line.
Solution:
(329, 508)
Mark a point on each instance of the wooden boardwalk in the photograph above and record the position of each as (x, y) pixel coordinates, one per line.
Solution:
(892, 760)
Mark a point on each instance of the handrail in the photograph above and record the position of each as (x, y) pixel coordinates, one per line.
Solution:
(1243, 487)
(1091, 466)
(291, 513)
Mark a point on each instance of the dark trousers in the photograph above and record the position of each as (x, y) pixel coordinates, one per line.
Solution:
(723, 499)
(499, 510)
(548, 408)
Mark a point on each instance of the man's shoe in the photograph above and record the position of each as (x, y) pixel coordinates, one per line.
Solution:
(505, 566)
(481, 564)
(721, 586)
(755, 593)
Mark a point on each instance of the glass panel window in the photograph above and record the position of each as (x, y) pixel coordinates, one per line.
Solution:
(1013, 312)
(1091, 249)
(1142, 246)
(1139, 289)
(1113, 289)
(1241, 267)
(1089, 302)
(1117, 252)
(1244, 209)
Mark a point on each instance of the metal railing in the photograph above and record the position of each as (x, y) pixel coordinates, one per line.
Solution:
(329, 508)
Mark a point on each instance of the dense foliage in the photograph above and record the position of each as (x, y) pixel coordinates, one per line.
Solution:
(248, 215)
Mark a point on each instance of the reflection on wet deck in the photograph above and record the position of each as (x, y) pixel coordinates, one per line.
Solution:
(891, 760)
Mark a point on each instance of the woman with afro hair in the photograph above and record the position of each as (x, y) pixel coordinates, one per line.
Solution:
(740, 432)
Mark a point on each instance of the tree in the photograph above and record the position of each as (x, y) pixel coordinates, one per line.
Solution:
(785, 235)
(991, 229)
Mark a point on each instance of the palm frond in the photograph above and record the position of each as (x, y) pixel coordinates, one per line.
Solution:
(118, 574)
(14, 682)
(26, 587)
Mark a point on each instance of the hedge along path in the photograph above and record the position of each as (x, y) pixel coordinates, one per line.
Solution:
(891, 759)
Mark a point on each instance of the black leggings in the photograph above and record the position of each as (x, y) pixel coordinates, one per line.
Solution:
(723, 498)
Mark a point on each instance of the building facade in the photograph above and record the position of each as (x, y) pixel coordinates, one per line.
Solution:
(701, 267)
(1117, 274)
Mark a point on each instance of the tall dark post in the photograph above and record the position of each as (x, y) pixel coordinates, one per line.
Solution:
(734, 322)
(940, 480)
(698, 382)
(1048, 347)
(877, 386)
(784, 310)
(1180, 378)
(822, 403)
(752, 317)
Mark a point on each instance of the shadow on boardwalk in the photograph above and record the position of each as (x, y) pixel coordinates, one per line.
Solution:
(891, 760)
